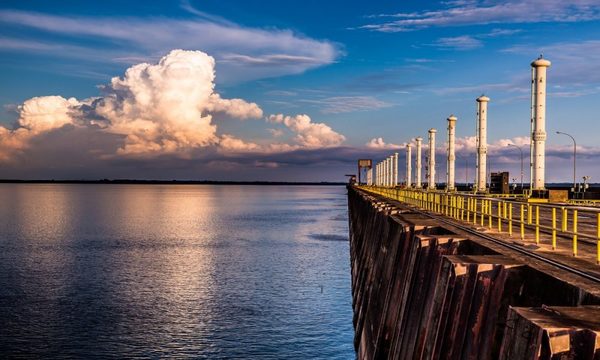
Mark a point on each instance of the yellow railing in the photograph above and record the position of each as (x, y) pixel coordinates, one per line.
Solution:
(497, 213)
(592, 202)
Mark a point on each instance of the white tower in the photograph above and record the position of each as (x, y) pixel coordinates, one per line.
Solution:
(538, 123)
(451, 157)
(418, 164)
(388, 171)
(408, 166)
(395, 160)
(392, 170)
(482, 103)
(431, 185)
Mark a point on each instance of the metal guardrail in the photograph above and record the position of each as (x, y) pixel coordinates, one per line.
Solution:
(505, 214)
(592, 202)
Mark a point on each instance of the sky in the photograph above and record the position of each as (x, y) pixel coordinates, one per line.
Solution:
(293, 91)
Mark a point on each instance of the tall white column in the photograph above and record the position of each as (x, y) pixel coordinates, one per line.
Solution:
(482, 103)
(419, 140)
(391, 162)
(431, 185)
(538, 134)
(451, 155)
(387, 171)
(395, 169)
(408, 166)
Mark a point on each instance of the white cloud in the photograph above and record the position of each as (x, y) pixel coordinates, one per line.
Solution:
(345, 104)
(167, 107)
(36, 116)
(155, 110)
(464, 42)
(379, 143)
(230, 143)
(308, 133)
(275, 132)
(243, 53)
(164, 108)
(461, 13)
(45, 113)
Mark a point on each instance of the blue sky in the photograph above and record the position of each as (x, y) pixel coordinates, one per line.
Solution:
(358, 70)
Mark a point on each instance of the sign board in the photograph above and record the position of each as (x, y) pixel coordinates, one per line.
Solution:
(365, 163)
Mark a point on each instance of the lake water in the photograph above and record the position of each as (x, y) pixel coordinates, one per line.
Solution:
(196, 271)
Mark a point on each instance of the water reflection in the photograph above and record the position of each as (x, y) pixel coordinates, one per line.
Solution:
(200, 271)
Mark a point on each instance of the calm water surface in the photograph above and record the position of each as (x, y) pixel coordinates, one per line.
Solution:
(174, 271)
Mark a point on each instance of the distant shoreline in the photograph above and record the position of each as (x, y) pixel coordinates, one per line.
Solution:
(169, 182)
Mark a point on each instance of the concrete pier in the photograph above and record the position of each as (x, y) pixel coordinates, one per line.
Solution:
(425, 291)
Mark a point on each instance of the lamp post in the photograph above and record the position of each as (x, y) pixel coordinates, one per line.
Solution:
(521, 150)
(466, 159)
(574, 157)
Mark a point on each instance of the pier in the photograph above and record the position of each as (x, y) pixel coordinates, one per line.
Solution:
(442, 276)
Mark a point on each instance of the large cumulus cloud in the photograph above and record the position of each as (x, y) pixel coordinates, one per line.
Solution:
(154, 116)
(164, 108)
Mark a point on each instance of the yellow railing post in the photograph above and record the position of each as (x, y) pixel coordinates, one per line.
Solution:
(598, 239)
(510, 219)
(553, 228)
(537, 224)
(522, 221)
(489, 212)
(529, 214)
(469, 209)
(574, 232)
(564, 219)
(482, 208)
(499, 216)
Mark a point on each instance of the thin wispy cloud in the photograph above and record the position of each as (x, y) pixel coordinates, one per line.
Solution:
(244, 53)
(346, 104)
(464, 42)
(461, 13)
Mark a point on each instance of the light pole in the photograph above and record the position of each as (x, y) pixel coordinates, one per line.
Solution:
(466, 159)
(574, 157)
(521, 150)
